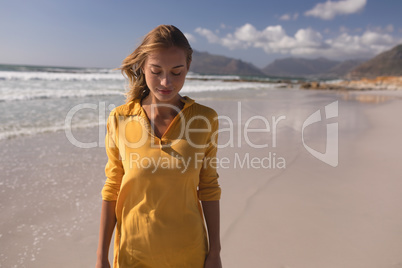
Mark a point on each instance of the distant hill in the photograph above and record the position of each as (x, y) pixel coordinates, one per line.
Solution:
(205, 63)
(344, 67)
(300, 67)
(388, 63)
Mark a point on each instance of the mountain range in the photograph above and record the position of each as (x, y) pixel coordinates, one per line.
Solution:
(388, 63)
(317, 68)
(205, 63)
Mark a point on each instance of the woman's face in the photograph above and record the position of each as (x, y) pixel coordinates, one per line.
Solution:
(165, 71)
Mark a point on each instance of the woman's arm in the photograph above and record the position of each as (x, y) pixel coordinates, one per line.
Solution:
(212, 219)
(107, 224)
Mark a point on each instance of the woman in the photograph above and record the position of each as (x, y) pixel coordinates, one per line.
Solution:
(161, 151)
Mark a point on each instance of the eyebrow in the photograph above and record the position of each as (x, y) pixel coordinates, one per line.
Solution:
(178, 66)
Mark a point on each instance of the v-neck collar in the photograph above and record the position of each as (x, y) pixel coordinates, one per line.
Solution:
(139, 110)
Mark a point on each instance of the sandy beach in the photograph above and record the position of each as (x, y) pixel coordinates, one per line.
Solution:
(281, 207)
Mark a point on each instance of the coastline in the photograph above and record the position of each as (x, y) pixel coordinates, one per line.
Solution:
(386, 83)
(380, 83)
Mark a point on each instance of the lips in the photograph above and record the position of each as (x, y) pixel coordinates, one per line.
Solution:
(164, 91)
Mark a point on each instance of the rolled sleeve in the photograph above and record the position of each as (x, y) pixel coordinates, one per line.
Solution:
(114, 170)
(208, 187)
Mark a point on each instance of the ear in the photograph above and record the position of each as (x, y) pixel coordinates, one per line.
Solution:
(188, 65)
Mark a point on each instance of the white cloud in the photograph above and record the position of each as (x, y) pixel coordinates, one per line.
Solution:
(285, 17)
(190, 37)
(354, 46)
(305, 42)
(211, 37)
(378, 29)
(273, 39)
(330, 9)
(309, 38)
(288, 16)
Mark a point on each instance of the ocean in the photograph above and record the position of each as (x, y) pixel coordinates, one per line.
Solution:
(39, 99)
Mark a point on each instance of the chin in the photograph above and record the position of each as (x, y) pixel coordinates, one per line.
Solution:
(168, 96)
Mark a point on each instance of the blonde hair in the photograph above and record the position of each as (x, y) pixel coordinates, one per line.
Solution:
(163, 36)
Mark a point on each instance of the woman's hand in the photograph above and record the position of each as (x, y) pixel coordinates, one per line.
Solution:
(213, 260)
(102, 264)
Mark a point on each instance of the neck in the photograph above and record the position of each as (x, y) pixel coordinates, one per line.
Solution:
(162, 109)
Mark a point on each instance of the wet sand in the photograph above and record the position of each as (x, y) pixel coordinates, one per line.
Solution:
(281, 206)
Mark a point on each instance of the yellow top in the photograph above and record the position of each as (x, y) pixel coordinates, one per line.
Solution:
(158, 185)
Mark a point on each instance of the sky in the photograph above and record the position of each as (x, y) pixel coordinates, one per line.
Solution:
(101, 33)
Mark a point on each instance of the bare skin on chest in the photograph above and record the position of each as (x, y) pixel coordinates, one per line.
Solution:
(161, 118)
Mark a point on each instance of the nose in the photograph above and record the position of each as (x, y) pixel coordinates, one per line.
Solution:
(166, 80)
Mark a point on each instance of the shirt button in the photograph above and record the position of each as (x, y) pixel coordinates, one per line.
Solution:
(164, 143)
